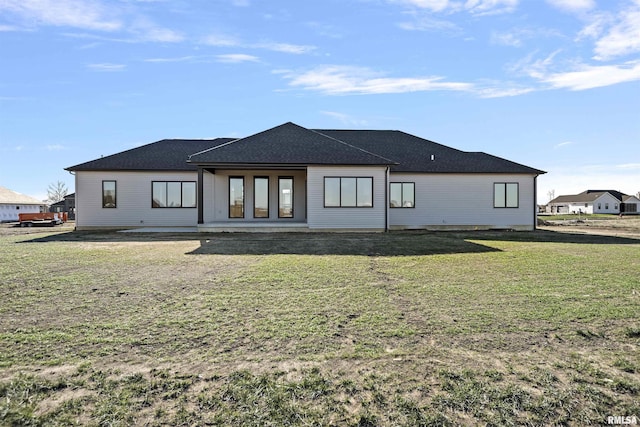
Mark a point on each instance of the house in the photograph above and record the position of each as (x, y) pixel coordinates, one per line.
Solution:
(67, 204)
(293, 178)
(12, 204)
(595, 202)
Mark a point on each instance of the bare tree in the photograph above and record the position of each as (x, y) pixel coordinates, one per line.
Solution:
(56, 192)
(551, 194)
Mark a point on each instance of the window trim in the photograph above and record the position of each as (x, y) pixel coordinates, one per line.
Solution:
(401, 183)
(115, 194)
(356, 206)
(505, 204)
(181, 194)
(292, 196)
(244, 196)
(268, 198)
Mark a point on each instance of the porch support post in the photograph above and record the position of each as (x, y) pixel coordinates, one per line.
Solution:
(200, 195)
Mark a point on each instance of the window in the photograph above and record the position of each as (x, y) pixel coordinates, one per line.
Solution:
(599, 206)
(402, 195)
(236, 197)
(261, 197)
(285, 197)
(348, 192)
(108, 194)
(505, 195)
(173, 194)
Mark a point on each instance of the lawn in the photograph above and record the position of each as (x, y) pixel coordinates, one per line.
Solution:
(403, 328)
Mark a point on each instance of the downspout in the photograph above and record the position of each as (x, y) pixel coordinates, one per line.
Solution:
(386, 200)
(535, 202)
(200, 195)
(75, 213)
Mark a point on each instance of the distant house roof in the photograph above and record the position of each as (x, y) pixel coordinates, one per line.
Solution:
(290, 144)
(167, 154)
(10, 197)
(587, 196)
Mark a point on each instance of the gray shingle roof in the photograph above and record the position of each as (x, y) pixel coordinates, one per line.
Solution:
(414, 154)
(167, 154)
(288, 144)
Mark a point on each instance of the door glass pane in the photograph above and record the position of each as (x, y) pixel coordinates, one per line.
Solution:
(365, 192)
(159, 191)
(332, 192)
(347, 192)
(261, 197)
(188, 194)
(236, 197)
(285, 198)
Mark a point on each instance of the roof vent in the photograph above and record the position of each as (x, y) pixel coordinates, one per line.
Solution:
(433, 157)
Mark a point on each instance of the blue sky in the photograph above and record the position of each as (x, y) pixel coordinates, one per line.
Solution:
(553, 84)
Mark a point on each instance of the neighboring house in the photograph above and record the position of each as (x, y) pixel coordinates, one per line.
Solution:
(594, 202)
(12, 204)
(67, 204)
(630, 205)
(293, 178)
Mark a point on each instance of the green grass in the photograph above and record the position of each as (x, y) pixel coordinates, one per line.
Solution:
(488, 328)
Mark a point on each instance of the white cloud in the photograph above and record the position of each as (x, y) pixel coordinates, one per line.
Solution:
(350, 80)
(490, 7)
(429, 23)
(177, 59)
(87, 14)
(623, 37)
(563, 144)
(590, 76)
(345, 119)
(476, 7)
(573, 5)
(235, 58)
(106, 67)
(284, 47)
(221, 40)
(347, 80)
(55, 147)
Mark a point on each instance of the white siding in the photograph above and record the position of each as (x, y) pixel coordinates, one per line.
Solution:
(133, 196)
(320, 217)
(606, 204)
(449, 201)
(218, 194)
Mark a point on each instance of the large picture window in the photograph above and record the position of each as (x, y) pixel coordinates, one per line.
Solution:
(109, 194)
(261, 197)
(173, 194)
(348, 192)
(402, 195)
(236, 197)
(505, 195)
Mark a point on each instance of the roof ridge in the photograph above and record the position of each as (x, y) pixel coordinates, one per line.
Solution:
(212, 148)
